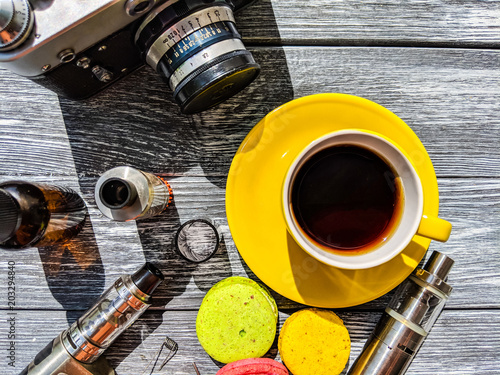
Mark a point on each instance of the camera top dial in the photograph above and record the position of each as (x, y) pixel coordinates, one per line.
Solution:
(16, 22)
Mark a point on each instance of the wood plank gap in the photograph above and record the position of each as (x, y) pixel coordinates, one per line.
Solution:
(285, 310)
(375, 44)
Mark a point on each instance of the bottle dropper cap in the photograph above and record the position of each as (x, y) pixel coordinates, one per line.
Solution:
(147, 278)
(439, 265)
(9, 216)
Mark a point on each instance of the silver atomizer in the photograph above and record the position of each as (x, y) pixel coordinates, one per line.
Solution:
(126, 193)
(76, 351)
(407, 320)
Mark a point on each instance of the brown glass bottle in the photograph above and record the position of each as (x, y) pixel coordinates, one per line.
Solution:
(33, 214)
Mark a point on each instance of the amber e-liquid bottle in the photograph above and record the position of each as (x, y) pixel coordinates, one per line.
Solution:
(33, 214)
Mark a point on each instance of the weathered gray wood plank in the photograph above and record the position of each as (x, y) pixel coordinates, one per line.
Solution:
(448, 97)
(388, 22)
(461, 342)
(71, 277)
(37, 145)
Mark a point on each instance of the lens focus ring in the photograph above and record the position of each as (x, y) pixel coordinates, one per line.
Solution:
(198, 41)
(184, 28)
(168, 14)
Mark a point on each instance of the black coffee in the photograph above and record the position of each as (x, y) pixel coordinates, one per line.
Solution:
(346, 198)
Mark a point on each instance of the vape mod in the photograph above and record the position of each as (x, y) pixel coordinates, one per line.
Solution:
(76, 351)
(407, 320)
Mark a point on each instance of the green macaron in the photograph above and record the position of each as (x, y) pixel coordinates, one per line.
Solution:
(237, 320)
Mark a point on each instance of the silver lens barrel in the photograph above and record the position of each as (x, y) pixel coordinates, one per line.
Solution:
(201, 58)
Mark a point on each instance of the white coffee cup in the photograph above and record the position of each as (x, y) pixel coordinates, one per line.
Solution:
(410, 221)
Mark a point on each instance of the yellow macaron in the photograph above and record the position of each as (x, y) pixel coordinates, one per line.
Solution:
(314, 341)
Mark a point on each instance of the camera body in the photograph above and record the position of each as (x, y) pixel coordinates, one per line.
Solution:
(77, 48)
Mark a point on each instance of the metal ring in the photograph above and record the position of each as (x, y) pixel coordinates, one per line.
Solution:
(78, 346)
(130, 295)
(151, 16)
(432, 280)
(136, 7)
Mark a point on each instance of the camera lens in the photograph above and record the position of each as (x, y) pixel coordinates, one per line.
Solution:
(196, 47)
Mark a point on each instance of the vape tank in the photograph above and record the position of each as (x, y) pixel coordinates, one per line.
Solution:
(125, 193)
(407, 320)
(76, 351)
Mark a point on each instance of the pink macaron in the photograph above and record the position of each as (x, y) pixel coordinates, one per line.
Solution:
(254, 366)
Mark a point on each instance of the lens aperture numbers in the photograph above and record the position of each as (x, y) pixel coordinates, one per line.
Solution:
(178, 31)
(198, 40)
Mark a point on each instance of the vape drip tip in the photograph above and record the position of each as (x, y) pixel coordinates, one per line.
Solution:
(407, 320)
(125, 193)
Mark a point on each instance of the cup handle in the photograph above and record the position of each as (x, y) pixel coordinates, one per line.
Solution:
(434, 228)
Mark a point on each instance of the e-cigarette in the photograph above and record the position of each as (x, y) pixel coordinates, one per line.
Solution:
(407, 320)
(76, 351)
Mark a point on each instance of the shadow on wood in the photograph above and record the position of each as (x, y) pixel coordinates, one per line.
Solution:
(136, 122)
(74, 271)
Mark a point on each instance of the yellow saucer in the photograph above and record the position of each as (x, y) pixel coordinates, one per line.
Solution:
(254, 211)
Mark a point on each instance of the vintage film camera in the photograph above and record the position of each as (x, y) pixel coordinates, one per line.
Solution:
(76, 48)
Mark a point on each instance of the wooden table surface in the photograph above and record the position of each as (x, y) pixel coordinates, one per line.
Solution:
(434, 63)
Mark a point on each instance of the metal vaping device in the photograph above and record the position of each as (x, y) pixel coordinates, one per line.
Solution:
(76, 351)
(126, 193)
(407, 320)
